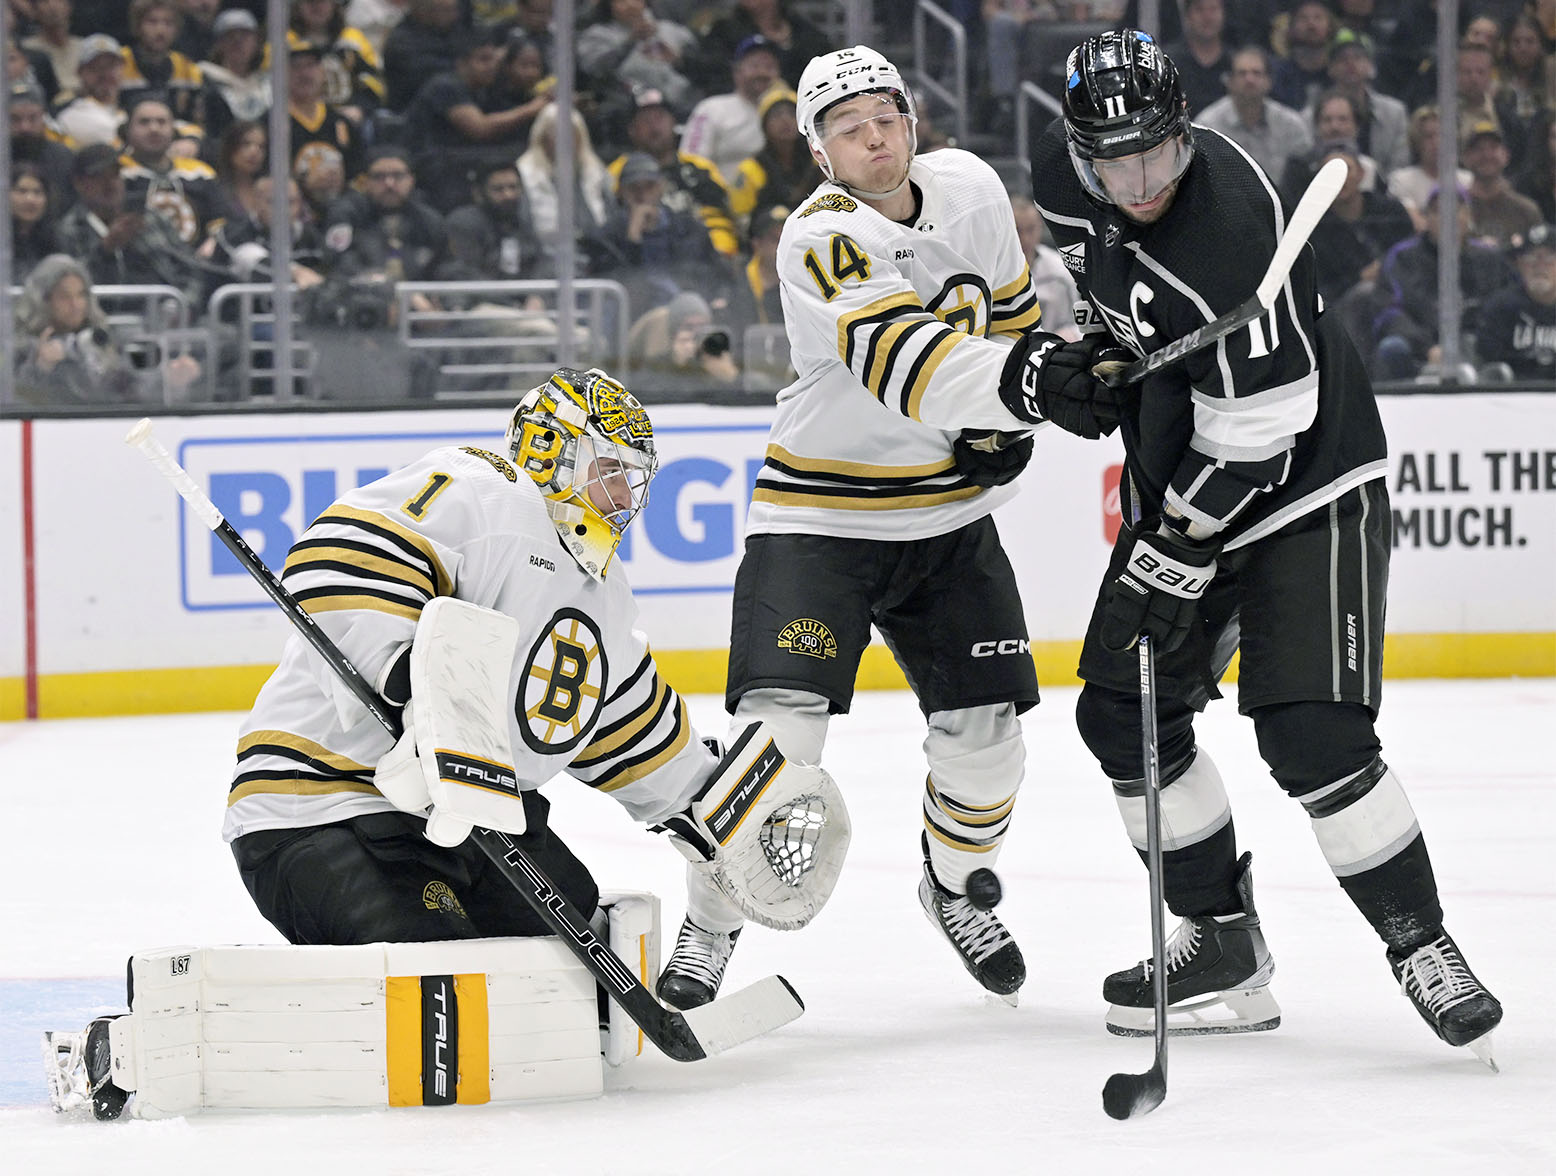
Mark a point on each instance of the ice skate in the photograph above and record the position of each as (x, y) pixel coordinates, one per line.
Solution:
(1218, 976)
(1448, 996)
(696, 966)
(986, 948)
(77, 1066)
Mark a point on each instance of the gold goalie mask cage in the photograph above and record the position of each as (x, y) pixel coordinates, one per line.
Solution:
(588, 446)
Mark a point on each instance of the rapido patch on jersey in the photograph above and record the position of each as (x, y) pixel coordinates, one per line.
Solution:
(497, 463)
(831, 202)
(808, 637)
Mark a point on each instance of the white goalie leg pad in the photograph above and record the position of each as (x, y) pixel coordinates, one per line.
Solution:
(977, 759)
(633, 931)
(1194, 806)
(461, 661)
(780, 828)
(400, 1024)
(1362, 821)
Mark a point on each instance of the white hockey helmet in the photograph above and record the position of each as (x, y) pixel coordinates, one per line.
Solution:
(842, 74)
(588, 446)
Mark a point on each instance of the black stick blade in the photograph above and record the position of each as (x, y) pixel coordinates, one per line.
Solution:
(1127, 1096)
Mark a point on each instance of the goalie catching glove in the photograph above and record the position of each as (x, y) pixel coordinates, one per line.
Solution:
(769, 833)
(453, 762)
(1049, 379)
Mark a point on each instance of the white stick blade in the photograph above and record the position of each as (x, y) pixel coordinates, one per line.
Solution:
(1309, 211)
(751, 1012)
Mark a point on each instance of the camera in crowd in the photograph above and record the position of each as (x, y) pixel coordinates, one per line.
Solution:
(365, 305)
(714, 342)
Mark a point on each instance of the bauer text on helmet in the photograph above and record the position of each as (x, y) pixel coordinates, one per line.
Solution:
(588, 446)
(1126, 122)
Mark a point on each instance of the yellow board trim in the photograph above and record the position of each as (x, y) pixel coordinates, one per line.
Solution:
(474, 1084)
(702, 671)
(402, 1039)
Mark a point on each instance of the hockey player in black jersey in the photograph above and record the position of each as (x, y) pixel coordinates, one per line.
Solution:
(1256, 516)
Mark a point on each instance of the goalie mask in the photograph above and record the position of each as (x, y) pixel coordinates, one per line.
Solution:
(843, 74)
(588, 446)
(1126, 121)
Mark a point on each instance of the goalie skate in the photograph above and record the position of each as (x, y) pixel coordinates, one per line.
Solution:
(1448, 996)
(77, 1067)
(695, 970)
(980, 939)
(1218, 976)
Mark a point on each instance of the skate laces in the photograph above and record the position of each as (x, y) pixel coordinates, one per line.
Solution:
(702, 955)
(978, 933)
(1436, 977)
(1181, 948)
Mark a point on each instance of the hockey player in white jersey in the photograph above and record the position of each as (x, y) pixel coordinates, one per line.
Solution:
(904, 288)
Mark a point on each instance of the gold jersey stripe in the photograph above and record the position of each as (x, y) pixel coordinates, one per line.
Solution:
(618, 740)
(839, 502)
(1007, 292)
(882, 347)
(474, 1084)
(396, 570)
(402, 1053)
(444, 582)
(925, 371)
(1016, 324)
(297, 786)
(906, 301)
(314, 751)
(638, 771)
(369, 603)
(856, 469)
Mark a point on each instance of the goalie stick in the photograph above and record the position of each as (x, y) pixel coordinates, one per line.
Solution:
(686, 1037)
(1309, 211)
(1126, 1095)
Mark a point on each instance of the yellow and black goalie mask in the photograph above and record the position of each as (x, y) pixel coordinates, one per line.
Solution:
(588, 446)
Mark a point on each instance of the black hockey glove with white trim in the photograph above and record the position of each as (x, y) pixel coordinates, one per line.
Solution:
(1049, 379)
(1157, 593)
(987, 457)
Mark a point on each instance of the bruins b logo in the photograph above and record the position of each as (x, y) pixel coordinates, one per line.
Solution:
(564, 684)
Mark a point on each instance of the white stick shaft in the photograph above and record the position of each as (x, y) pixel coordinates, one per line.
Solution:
(1305, 216)
(141, 437)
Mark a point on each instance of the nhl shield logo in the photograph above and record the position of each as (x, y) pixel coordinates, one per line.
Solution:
(1110, 235)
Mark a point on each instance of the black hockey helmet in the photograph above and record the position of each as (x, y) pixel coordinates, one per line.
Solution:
(1122, 97)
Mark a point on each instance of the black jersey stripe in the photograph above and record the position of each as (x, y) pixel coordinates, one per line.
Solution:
(629, 730)
(644, 667)
(393, 573)
(296, 786)
(882, 310)
(916, 383)
(819, 498)
(347, 598)
(808, 475)
(414, 545)
(872, 492)
(317, 766)
(626, 771)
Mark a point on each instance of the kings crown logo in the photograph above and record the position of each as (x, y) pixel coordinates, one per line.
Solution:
(811, 638)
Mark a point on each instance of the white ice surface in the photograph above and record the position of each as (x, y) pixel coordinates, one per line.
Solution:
(900, 1063)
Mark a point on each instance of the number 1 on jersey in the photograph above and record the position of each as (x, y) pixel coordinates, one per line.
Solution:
(417, 505)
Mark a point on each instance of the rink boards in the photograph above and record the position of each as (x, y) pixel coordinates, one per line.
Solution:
(114, 599)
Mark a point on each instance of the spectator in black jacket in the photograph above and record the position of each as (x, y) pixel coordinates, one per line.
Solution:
(32, 219)
(31, 141)
(653, 249)
(1518, 326)
(423, 44)
(1357, 231)
(493, 237)
(795, 40)
(1406, 327)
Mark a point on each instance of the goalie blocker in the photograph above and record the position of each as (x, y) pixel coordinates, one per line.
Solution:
(384, 1024)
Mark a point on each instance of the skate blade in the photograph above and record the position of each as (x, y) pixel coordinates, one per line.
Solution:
(1243, 1010)
(1013, 999)
(1481, 1048)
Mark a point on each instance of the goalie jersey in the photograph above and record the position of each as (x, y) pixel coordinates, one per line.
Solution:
(588, 699)
(898, 335)
(1273, 421)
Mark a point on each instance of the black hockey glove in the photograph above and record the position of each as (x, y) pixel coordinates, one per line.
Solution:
(1048, 379)
(987, 457)
(1158, 592)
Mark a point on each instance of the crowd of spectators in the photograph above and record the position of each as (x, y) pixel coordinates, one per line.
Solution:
(422, 147)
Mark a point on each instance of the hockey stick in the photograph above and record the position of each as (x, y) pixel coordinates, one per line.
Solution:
(1126, 1095)
(1309, 211)
(686, 1037)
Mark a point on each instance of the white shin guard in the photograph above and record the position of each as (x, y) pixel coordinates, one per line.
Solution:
(1194, 806)
(976, 762)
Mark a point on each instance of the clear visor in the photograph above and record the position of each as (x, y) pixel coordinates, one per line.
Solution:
(854, 124)
(612, 478)
(1135, 179)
